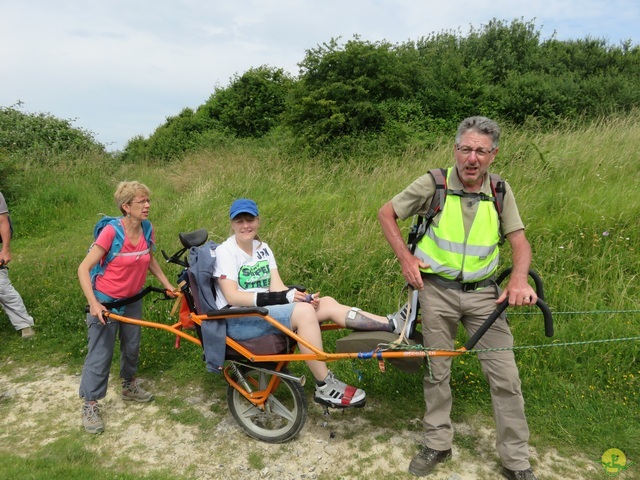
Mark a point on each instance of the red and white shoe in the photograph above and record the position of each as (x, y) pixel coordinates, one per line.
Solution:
(337, 394)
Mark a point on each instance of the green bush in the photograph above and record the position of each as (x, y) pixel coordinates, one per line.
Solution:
(41, 136)
(252, 104)
(249, 107)
(321, 223)
(357, 95)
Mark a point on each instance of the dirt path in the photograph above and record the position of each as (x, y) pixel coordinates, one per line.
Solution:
(152, 437)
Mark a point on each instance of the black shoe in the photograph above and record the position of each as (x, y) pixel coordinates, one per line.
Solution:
(424, 462)
(518, 474)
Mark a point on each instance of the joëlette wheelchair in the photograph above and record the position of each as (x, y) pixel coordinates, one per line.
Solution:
(264, 398)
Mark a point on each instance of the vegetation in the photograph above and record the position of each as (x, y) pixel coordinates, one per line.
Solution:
(569, 184)
(361, 95)
(42, 135)
(389, 112)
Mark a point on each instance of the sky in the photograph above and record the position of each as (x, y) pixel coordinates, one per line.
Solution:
(119, 68)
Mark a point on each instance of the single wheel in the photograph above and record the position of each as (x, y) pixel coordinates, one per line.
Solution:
(284, 414)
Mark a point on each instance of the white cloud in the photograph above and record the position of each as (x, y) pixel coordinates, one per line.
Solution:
(121, 66)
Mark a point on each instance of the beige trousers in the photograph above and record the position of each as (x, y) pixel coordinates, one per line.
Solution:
(442, 311)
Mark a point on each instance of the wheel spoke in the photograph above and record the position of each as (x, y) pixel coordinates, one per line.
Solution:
(250, 411)
(276, 407)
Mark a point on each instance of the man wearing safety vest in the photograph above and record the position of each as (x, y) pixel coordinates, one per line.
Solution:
(453, 268)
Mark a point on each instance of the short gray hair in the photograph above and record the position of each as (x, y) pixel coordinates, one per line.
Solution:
(482, 125)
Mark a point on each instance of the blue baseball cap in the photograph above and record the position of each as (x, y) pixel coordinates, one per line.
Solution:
(243, 205)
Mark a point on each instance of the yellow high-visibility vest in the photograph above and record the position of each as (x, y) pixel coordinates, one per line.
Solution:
(451, 255)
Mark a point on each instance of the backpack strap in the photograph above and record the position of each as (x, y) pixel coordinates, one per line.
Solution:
(421, 224)
(498, 189)
(118, 240)
(439, 175)
(439, 197)
(147, 230)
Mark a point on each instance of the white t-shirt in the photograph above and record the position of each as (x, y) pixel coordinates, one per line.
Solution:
(252, 273)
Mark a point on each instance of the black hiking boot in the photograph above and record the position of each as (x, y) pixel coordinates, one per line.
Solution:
(423, 463)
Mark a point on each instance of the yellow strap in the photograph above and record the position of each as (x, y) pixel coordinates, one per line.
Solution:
(403, 335)
(176, 304)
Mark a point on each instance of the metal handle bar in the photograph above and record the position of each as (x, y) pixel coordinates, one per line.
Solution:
(546, 312)
(532, 273)
(126, 301)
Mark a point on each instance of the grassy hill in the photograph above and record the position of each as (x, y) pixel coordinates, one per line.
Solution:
(577, 191)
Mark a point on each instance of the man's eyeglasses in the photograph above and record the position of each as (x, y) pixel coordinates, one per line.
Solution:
(142, 202)
(480, 152)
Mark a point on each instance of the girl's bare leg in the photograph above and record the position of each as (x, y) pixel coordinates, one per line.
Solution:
(305, 323)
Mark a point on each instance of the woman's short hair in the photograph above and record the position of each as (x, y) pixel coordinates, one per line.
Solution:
(127, 191)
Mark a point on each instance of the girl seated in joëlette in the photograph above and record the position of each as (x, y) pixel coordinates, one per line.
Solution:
(247, 275)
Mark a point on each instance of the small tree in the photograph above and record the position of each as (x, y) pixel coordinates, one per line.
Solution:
(251, 105)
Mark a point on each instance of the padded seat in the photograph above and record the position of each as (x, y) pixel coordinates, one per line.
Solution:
(271, 344)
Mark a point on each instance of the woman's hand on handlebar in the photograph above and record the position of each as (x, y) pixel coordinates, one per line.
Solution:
(96, 309)
(172, 292)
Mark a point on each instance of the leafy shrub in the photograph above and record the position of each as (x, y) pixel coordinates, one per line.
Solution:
(501, 70)
(252, 104)
(41, 135)
(249, 107)
(340, 90)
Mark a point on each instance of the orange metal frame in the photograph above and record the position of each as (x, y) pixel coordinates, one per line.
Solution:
(317, 354)
(260, 397)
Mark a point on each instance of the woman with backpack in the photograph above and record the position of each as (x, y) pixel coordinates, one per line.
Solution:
(116, 268)
(246, 275)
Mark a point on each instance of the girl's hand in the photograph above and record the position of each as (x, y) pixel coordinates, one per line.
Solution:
(314, 299)
(298, 296)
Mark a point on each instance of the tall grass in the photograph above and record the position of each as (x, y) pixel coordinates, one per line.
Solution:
(577, 189)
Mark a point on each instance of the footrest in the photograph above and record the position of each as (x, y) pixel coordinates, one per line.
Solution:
(368, 341)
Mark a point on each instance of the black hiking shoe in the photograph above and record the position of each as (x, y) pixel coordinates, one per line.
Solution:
(518, 474)
(423, 463)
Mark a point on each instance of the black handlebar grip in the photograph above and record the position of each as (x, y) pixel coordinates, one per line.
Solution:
(548, 317)
(544, 308)
(486, 325)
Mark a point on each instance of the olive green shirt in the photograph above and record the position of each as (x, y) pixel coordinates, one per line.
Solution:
(416, 200)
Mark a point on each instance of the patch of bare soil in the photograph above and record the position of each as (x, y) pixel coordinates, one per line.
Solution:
(151, 437)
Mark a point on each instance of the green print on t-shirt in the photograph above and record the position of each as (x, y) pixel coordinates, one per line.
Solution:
(257, 275)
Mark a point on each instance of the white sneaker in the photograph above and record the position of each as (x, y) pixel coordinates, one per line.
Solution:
(399, 319)
(337, 394)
